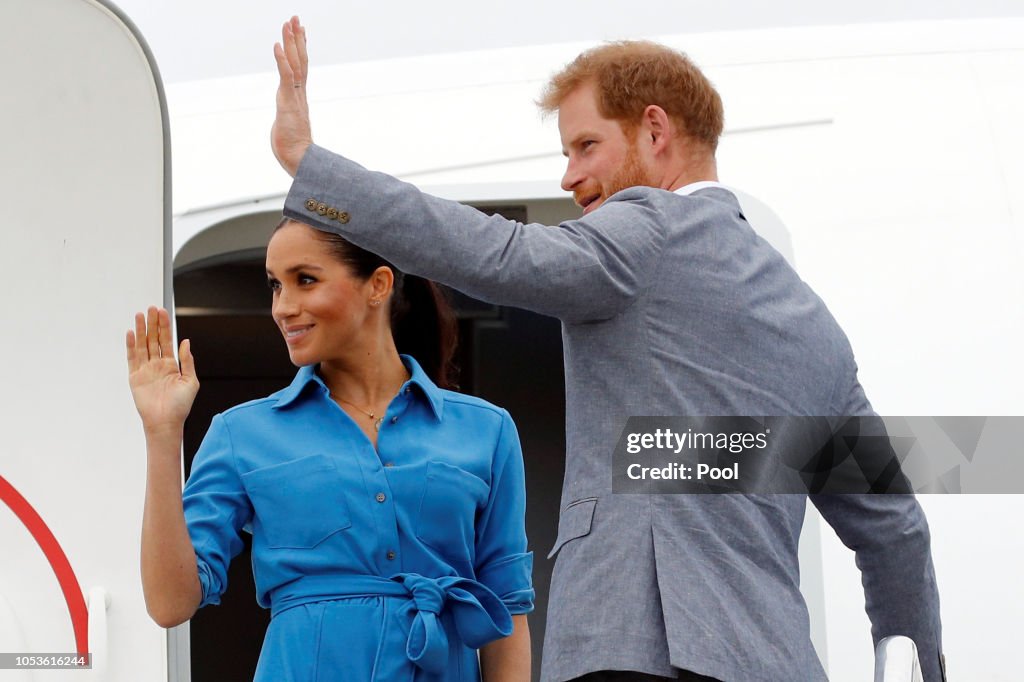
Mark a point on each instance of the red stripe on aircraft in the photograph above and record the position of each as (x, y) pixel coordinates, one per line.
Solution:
(58, 562)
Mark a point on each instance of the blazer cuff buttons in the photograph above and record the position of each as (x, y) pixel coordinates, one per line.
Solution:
(331, 213)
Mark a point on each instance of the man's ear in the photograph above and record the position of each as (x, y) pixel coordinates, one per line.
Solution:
(657, 128)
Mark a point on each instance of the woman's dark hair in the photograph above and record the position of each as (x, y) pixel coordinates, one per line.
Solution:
(423, 323)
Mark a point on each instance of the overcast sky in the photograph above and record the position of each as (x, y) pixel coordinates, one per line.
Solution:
(198, 39)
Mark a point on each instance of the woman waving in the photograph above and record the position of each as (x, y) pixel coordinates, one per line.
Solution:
(387, 512)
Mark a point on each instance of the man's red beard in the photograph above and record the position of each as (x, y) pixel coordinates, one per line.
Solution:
(631, 174)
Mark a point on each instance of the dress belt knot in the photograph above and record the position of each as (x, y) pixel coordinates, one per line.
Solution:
(479, 615)
(426, 593)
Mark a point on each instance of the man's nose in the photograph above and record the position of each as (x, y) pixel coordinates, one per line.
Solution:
(572, 176)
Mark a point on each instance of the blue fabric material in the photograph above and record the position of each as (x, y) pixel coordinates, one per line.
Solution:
(424, 535)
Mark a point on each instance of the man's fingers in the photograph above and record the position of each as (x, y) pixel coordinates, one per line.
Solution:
(291, 51)
(152, 341)
(300, 48)
(283, 69)
(290, 135)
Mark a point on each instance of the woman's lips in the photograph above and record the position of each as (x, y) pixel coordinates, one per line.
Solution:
(296, 334)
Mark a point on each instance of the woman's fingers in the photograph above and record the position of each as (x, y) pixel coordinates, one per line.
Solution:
(152, 338)
(164, 333)
(129, 340)
(141, 350)
(188, 363)
(163, 392)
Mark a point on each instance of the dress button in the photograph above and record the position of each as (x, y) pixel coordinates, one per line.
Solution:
(408, 389)
(391, 555)
(389, 464)
(394, 420)
(381, 497)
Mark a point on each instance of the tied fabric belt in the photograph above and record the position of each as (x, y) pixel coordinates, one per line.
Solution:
(479, 615)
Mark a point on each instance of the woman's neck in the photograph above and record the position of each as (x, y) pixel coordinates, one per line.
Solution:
(369, 377)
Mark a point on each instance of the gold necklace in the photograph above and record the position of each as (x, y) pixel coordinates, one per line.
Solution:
(376, 420)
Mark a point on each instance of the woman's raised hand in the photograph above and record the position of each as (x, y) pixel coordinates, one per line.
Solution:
(163, 393)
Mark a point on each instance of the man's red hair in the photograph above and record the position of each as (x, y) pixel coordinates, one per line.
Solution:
(631, 75)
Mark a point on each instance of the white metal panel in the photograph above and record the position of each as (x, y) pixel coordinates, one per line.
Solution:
(85, 198)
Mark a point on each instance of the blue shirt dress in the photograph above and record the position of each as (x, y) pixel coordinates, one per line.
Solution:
(386, 565)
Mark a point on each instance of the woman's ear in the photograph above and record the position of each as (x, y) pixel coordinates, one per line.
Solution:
(381, 282)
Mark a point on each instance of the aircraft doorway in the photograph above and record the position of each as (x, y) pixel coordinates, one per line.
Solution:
(508, 356)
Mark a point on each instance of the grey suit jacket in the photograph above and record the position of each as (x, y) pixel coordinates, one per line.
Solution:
(670, 305)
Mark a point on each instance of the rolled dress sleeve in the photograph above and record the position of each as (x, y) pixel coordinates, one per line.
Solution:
(502, 562)
(216, 509)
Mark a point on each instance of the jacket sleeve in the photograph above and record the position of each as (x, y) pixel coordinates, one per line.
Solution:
(216, 510)
(892, 544)
(502, 562)
(584, 270)
(890, 538)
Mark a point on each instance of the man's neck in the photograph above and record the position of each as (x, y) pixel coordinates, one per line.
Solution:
(691, 173)
(689, 163)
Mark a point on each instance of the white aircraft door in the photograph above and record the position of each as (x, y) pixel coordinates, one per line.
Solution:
(85, 197)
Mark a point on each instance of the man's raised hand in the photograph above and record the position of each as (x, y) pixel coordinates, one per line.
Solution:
(291, 134)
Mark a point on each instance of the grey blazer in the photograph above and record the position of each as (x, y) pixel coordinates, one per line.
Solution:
(670, 305)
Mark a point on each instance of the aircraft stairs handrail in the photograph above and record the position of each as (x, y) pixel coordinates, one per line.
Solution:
(896, 660)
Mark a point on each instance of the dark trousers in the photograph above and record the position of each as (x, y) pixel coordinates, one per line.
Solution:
(631, 676)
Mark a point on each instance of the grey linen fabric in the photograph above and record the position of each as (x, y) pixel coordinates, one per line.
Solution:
(670, 306)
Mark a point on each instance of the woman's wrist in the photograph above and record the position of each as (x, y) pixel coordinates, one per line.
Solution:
(164, 434)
